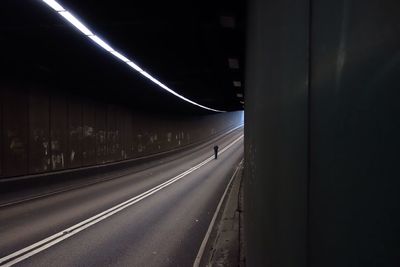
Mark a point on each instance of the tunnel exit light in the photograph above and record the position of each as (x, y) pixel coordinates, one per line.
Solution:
(103, 44)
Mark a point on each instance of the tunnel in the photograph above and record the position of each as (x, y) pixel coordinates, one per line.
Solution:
(200, 133)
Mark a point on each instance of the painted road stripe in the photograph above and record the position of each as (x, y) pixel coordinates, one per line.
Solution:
(211, 226)
(39, 246)
(73, 187)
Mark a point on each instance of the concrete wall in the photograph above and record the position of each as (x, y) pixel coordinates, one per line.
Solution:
(355, 129)
(322, 133)
(44, 130)
(276, 133)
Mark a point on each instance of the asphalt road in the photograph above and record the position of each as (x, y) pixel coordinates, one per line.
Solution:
(163, 227)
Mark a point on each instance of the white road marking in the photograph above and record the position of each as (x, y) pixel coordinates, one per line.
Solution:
(41, 245)
(211, 226)
(72, 187)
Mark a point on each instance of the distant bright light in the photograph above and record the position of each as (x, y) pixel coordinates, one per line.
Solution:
(101, 43)
(82, 28)
(74, 21)
(54, 5)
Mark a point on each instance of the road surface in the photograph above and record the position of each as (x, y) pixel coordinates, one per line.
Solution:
(154, 217)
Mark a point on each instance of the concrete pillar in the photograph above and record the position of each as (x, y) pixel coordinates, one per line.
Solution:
(322, 133)
(276, 127)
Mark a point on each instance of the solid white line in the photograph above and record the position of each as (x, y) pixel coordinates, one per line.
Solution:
(4, 180)
(211, 226)
(39, 246)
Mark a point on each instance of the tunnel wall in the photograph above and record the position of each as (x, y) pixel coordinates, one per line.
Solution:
(43, 131)
(322, 133)
(276, 134)
(355, 129)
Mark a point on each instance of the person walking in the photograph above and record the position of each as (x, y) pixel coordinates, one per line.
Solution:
(216, 151)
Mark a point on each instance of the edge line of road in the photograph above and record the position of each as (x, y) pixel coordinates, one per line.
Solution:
(95, 181)
(43, 244)
(70, 170)
(211, 226)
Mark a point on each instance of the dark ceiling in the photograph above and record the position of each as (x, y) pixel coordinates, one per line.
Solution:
(186, 45)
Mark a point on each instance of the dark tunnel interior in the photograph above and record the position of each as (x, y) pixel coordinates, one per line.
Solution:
(315, 83)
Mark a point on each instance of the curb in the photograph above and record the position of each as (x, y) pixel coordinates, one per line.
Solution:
(226, 246)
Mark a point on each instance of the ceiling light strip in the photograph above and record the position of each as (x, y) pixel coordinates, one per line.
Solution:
(103, 44)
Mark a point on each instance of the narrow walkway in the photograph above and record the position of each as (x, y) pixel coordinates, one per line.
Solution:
(225, 247)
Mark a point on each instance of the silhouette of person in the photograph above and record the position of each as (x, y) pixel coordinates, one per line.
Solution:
(216, 151)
